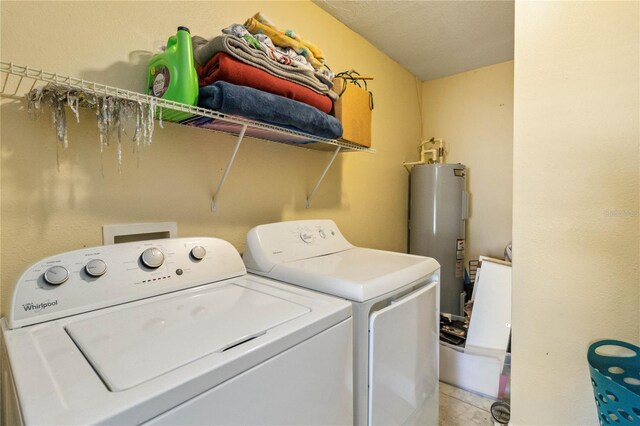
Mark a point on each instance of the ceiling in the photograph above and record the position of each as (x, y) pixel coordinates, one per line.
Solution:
(432, 39)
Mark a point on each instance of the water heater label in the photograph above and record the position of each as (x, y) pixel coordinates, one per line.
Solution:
(459, 269)
(460, 249)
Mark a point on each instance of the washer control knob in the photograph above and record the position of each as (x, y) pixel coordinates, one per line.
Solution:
(96, 267)
(307, 237)
(152, 258)
(198, 252)
(322, 234)
(56, 275)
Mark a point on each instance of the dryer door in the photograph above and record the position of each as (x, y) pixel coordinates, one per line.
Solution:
(403, 360)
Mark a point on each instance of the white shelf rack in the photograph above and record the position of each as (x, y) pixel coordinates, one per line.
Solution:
(18, 80)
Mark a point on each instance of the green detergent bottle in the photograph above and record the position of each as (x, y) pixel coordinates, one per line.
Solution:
(172, 75)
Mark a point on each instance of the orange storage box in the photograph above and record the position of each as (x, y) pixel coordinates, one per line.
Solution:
(353, 109)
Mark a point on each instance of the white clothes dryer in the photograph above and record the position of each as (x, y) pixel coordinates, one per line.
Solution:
(395, 300)
(171, 332)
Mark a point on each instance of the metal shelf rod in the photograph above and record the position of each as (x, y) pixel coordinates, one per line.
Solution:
(226, 170)
(324, 173)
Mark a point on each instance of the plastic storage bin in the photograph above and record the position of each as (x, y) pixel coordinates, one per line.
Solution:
(475, 369)
(615, 376)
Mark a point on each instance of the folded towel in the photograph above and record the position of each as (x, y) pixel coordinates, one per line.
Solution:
(255, 104)
(204, 50)
(281, 39)
(260, 25)
(223, 67)
(282, 55)
(315, 50)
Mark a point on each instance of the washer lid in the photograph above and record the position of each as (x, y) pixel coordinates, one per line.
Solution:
(134, 345)
(356, 274)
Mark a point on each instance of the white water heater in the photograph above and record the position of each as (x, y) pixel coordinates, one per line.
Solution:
(437, 214)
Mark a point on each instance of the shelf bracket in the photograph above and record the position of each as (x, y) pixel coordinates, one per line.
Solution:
(324, 173)
(226, 170)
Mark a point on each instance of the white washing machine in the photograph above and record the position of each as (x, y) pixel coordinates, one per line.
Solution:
(171, 332)
(395, 300)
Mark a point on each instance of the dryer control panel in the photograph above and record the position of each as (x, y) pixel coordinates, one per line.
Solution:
(271, 244)
(98, 277)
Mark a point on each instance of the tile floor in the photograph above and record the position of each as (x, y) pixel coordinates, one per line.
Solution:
(462, 408)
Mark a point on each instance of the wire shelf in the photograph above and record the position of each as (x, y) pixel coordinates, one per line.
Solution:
(18, 80)
(25, 79)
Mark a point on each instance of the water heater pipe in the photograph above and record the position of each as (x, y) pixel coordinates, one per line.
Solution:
(436, 153)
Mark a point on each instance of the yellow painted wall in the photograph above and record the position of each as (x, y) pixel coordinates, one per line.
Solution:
(46, 211)
(576, 218)
(473, 113)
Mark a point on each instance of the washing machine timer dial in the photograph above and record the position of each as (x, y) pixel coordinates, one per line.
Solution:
(56, 275)
(152, 258)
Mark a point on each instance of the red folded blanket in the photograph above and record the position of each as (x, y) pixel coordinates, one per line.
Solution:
(222, 67)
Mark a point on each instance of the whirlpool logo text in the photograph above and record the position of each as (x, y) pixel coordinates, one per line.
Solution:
(37, 307)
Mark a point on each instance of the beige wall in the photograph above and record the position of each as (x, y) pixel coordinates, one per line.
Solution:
(46, 211)
(473, 113)
(576, 200)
